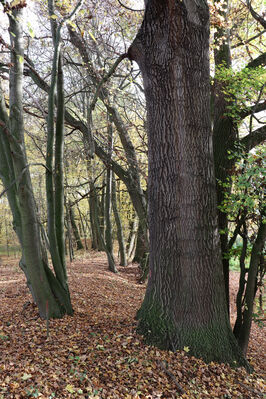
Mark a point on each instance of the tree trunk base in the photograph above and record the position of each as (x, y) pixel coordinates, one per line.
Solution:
(207, 342)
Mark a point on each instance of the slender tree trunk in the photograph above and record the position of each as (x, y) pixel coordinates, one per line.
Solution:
(75, 228)
(120, 236)
(111, 263)
(83, 228)
(69, 234)
(101, 216)
(59, 267)
(244, 332)
(93, 206)
(242, 282)
(131, 244)
(185, 303)
(108, 193)
(59, 169)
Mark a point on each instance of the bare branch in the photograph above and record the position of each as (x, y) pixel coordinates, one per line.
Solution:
(20, 176)
(252, 110)
(254, 138)
(255, 15)
(244, 42)
(169, 374)
(105, 78)
(128, 8)
(259, 61)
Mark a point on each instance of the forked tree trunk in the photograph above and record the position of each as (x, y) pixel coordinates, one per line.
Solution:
(47, 291)
(185, 301)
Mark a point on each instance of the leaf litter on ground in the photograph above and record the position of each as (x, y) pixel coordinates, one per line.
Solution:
(97, 353)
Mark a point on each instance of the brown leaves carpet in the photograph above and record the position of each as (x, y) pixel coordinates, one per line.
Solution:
(96, 353)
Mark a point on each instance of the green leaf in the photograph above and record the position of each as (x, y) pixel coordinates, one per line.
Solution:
(186, 348)
(53, 16)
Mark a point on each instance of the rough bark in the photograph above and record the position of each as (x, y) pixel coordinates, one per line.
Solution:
(184, 304)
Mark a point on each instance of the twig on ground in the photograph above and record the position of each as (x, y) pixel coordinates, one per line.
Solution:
(169, 374)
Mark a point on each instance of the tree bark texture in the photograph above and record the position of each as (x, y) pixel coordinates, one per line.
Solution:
(184, 304)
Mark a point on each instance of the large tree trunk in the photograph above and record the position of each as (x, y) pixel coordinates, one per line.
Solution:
(185, 302)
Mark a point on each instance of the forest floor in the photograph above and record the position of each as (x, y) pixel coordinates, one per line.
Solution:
(96, 353)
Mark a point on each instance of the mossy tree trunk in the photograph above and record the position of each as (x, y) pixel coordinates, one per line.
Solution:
(185, 302)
